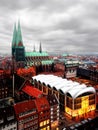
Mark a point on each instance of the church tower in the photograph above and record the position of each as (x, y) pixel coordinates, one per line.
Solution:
(18, 50)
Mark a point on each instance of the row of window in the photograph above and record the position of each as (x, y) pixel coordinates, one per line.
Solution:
(3, 88)
(28, 119)
(27, 112)
(78, 105)
(55, 107)
(12, 126)
(55, 119)
(33, 128)
(3, 92)
(44, 117)
(71, 71)
(15, 128)
(38, 57)
(31, 124)
(47, 128)
(44, 123)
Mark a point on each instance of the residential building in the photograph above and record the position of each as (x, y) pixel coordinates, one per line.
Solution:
(4, 91)
(7, 116)
(71, 68)
(43, 108)
(26, 115)
(67, 66)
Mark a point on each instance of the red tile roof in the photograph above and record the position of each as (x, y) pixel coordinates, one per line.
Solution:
(24, 106)
(31, 91)
(42, 104)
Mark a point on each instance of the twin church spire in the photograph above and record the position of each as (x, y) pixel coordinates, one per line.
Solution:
(17, 36)
(18, 50)
(17, 41)
(40, 48)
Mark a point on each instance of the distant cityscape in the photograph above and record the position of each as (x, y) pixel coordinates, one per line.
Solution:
(47, 91)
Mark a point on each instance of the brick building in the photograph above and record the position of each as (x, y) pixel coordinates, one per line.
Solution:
(26, 115)
(42, 106)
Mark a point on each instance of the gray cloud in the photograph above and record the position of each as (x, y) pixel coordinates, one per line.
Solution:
(62, 26)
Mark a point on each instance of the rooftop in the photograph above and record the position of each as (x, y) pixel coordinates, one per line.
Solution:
(75, 89)
(42, 104)
(31, 91)
(36, 54)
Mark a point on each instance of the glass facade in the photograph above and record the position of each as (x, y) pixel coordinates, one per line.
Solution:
(80, 105)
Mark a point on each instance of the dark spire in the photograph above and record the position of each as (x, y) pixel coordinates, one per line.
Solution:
(40, 48)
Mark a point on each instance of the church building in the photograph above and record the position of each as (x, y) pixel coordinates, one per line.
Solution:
(39, 59)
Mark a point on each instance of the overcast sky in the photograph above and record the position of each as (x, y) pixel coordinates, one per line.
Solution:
(61, 25)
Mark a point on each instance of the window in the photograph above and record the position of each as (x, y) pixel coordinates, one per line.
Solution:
(44, 122)
(48, 127)
(41, 124)
(48, 121)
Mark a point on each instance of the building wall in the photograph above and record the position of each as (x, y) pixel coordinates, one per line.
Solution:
(4, 92)
(81, 105)
(70, 72)
(54, 115)
(28, 122)
(26, 115)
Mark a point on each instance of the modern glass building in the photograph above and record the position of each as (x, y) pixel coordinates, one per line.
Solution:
(75, 98)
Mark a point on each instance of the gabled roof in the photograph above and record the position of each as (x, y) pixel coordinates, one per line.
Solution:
(42, 104)
(24, 106)
(31, 91)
